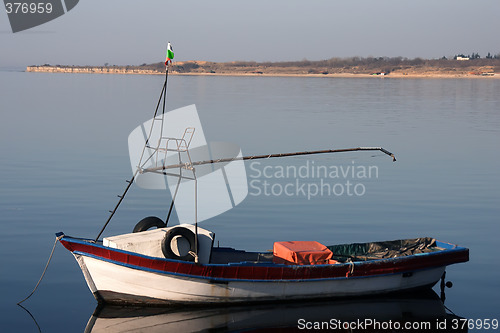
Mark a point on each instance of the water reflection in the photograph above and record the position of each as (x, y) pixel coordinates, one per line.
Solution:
(390, 313)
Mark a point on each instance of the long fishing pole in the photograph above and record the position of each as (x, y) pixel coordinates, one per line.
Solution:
(116, 207)
(162, 94)
(256, 157)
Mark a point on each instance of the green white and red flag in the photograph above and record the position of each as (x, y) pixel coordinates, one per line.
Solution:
(170, 54)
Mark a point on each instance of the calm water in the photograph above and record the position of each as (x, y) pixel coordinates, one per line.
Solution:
(64, 157)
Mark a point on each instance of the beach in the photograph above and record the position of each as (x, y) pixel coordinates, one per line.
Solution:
(427, 69)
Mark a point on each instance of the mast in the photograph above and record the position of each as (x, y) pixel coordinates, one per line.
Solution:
(163, 94)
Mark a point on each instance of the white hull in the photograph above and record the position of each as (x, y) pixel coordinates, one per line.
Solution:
(116, 283)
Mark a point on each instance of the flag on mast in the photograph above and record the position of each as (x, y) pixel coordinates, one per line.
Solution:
(170, 54)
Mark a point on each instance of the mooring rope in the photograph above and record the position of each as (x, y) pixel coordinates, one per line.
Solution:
(45, 269)
(32, 317)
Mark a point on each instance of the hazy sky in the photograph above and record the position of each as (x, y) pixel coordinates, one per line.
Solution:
(133, 32)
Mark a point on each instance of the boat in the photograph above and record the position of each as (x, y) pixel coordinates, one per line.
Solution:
(140, 276)
(159, 264)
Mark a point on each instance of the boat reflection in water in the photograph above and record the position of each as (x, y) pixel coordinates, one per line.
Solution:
(409, 312)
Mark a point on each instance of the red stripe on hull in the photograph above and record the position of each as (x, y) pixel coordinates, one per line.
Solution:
(264, 272)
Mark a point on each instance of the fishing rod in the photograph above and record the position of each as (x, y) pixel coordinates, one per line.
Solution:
(163, 95)
(190, 165)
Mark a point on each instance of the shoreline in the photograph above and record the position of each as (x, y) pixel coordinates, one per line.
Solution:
(414, 74)
(351, 75)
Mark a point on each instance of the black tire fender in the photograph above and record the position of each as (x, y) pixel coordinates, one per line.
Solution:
(178, 231)
(148, 223)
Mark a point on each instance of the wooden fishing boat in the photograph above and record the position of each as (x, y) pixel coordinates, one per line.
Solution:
(180, 264)
(225, 275)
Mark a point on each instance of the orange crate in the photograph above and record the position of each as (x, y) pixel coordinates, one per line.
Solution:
(301, 253)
